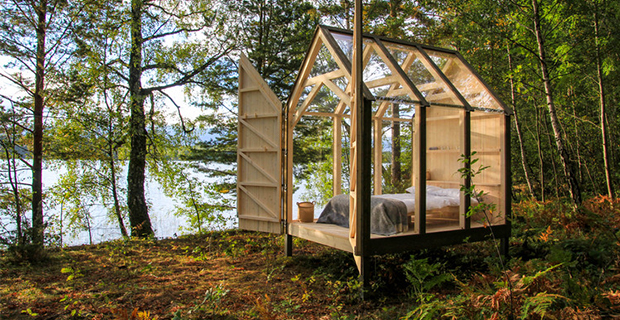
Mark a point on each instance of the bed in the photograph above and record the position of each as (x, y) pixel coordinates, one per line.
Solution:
(392, 213)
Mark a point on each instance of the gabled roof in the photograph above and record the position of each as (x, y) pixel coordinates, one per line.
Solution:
(394, 71)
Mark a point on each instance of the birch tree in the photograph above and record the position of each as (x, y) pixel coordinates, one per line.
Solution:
(34, 40)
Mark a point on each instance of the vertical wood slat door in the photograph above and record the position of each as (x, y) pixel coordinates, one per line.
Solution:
(259, 161)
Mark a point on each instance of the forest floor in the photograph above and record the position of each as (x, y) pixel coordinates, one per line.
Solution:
(221, 275)
(569, 271)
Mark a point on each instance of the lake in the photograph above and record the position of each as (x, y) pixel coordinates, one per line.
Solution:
(161, 207)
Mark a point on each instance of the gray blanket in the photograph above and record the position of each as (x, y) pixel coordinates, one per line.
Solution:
(387, 216)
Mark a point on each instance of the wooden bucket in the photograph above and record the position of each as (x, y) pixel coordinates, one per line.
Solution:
(306, 211)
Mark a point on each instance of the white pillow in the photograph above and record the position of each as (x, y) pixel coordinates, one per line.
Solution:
(452, 193)
(438, 191)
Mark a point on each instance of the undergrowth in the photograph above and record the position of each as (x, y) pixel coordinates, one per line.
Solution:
(564, 264)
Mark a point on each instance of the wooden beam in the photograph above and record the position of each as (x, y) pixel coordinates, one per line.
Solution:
(341, 59)
(304, 73)
(259, 169)
(276, 216)
(383, 81)
(336, 89)
(299, 112)
(324, 114)
(259, 133)
(326, 76)
(396, 119)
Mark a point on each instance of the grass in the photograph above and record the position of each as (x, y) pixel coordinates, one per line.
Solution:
(564, 265)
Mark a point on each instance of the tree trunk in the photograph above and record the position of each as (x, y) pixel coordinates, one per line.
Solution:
(117, 204)
(11, 165)
(601, 90)
(575, 192)
(541, 160)
(396, 171)
(526, 170)
(138, 210)
(552, 158)
(38, 228)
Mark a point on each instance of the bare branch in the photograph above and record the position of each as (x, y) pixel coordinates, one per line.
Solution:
(18, 83)
(162, 66)
(178, 111)
(32, 22)
(165, 34)
(188, 77)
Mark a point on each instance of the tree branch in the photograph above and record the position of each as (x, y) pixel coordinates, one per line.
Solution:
(165, 34)
(18, 83)
(178, 111)
(190, 75)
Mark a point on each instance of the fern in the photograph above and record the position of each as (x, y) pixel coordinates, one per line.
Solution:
(539, 304)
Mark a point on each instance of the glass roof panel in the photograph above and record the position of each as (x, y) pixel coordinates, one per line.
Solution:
(345, 42)
(384, 82)
(375, 68)
(324, 63)
(468, 84)
(422, 75)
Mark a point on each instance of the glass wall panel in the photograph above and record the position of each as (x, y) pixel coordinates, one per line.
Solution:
(486, 142)
(444, 145)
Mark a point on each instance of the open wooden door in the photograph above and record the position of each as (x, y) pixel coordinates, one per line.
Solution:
(259, 161)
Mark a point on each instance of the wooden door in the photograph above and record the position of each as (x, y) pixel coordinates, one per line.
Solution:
(259, 161)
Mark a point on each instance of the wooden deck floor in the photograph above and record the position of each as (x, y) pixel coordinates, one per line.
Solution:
(338, 237)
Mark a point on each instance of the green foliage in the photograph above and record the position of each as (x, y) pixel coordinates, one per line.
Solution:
(276, 34)
(201, 202)
(212, 300)
(468, 170)
(72, 273)
(424, 276)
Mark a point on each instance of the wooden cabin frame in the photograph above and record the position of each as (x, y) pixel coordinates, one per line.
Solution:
(455, 113)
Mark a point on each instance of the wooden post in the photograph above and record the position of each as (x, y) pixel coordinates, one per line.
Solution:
(337, 150)
(420, 169)
(363, 187)
(288, 245)
(378, 156)
(361, 113)
(506, 182)
(464, 221)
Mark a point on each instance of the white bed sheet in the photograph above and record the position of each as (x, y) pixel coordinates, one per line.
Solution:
(436, 198)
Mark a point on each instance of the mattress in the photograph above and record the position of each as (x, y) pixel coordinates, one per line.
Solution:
(392, 213)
